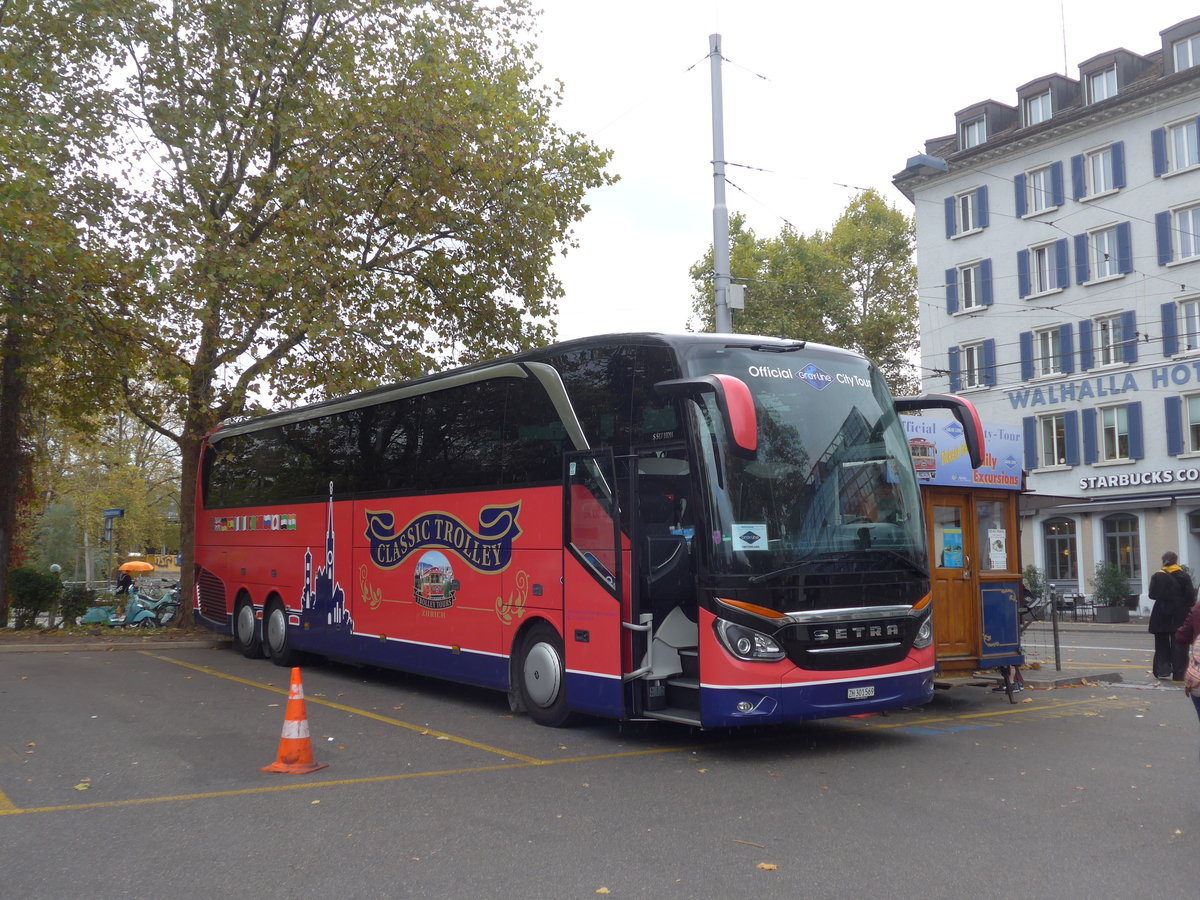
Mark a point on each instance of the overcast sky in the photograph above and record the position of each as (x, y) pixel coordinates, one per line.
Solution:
(821, 99)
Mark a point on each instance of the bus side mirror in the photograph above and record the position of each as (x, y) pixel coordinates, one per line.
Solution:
(963, 410)
(734, 402)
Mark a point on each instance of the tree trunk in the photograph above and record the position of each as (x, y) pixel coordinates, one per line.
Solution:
(12, 390)
(189, 447)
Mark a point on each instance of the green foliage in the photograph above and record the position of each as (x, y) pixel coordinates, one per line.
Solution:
(75, 602)
(1110, 585)
(854, 287)
(1035, 581)
(31, 594)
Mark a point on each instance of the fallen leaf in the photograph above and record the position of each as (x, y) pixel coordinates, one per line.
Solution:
(769, 867)
(82, 787)
(603, 890)
(314, 803)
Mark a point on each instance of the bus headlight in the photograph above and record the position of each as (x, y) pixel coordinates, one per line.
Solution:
(746, 643)
(924, 634)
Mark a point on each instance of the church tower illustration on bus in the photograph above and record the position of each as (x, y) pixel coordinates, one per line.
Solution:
(323, 601)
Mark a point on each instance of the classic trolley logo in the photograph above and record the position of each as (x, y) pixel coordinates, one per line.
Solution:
(488, 549)
(816, 377)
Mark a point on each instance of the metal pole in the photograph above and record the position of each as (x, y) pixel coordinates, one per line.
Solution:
(724, 321)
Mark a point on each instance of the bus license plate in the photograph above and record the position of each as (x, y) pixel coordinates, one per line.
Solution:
(860, 693)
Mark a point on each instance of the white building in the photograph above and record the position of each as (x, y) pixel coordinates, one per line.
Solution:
(1058, 244)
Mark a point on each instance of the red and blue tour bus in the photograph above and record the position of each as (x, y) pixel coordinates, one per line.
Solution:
(718, 530)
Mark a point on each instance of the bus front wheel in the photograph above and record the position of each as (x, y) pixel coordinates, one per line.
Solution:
(541, 677)
(245, 634)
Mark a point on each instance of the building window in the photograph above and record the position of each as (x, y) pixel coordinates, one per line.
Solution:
(1114, 433)
(1186, 232)
(1061, 556)
(972, 365)
(1182, 147)
(1042, 269)
(1037, 109)
(1193, 424)
(1052, 433)
(1102, 245)
(1047, 347)
(1122, 546)
(968, 287)
(1039, 191)
(1098, 166)
(1187, 53)
(968, 217)
(973, 133)
(1189, 324)
(1102, 85)
(1108, 339)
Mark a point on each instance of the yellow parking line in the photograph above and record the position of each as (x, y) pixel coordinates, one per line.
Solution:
(388, 720)
(6, 805)
(1010, 710)
(11, 810)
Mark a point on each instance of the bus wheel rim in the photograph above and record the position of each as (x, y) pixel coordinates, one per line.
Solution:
(543, 674)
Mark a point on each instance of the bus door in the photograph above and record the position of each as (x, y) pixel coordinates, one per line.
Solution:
(594, 586)
(955, 578)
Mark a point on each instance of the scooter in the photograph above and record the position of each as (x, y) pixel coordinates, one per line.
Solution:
(137, 614)
(165, 608)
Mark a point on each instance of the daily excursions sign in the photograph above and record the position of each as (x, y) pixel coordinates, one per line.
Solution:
(940, 454)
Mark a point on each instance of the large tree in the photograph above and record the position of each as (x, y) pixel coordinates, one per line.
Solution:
(854, 286)
(59, 242)
(338, 193)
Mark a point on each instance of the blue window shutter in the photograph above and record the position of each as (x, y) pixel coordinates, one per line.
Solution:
(1162, 234)
(1082, 267)
(1173, 414)
(1029, 427)
(1062, 261)
(1129, 348)
(951, 291)
(950, 217)
(1169, 331)
(1023, 273)
(1124, 248)
(955, 371)
(1019, 194)
(1066, 345)
(1086, 359)
(1026, 355)
(985, 282)
(1118, 163)
(981, 205)
(1071, 436)
(989, 362)
(1088, 429)
(1158, 149)
(1078, 179)
(1058, 195)
(1133, 418)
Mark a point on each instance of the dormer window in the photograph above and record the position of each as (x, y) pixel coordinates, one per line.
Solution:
(1102, 85)
(1038, 109)
(973, 133)
(1187, 53)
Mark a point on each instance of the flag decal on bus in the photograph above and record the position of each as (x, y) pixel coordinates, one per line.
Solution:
(486, 549)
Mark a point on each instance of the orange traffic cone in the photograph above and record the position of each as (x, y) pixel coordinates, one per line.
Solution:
(295, 755)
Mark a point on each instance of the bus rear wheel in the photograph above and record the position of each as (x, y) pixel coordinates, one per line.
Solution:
(542, 677)
(275, 636)
(245, 635)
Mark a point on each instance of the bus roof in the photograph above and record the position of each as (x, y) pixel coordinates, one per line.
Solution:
(510, 367)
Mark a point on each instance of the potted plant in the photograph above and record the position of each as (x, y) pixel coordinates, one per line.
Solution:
(1110, 593)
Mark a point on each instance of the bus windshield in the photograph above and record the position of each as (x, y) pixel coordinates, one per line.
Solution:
(832, 482)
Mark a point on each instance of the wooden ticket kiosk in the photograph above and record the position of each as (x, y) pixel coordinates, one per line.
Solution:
(974, 545)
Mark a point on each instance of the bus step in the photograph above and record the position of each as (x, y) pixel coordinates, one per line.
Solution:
(683, 693)
(682, 716)
(689, 658)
